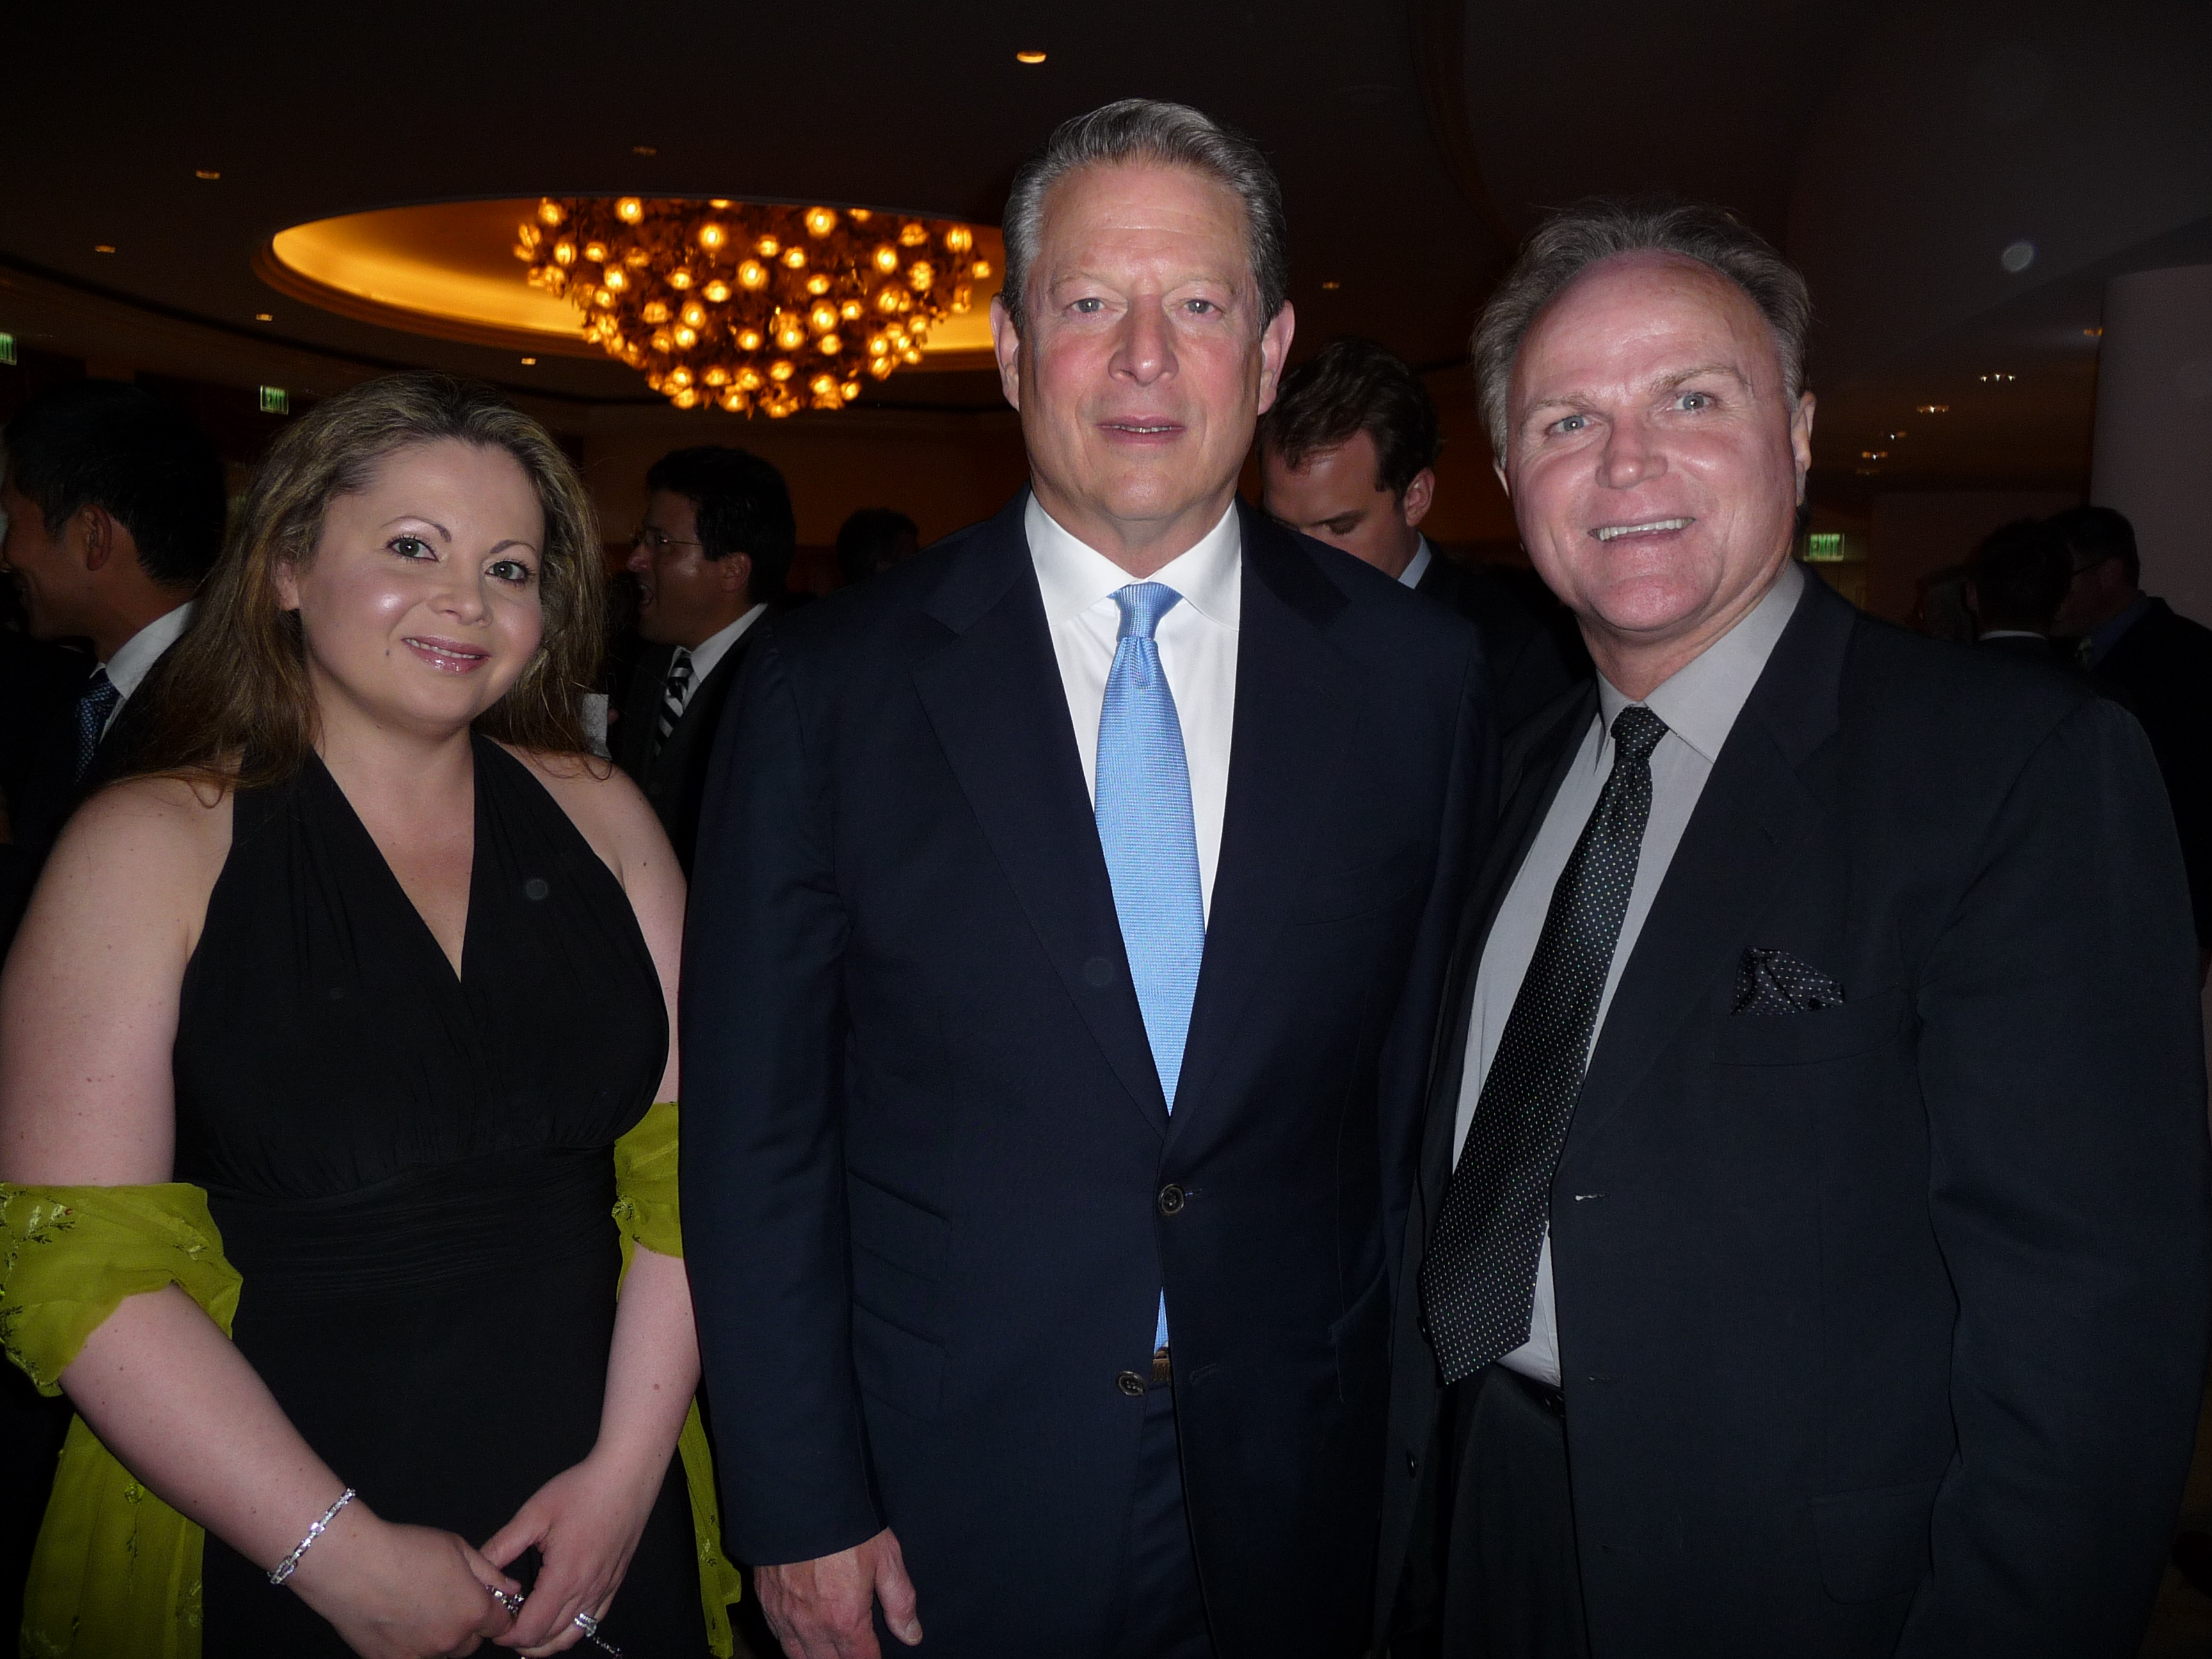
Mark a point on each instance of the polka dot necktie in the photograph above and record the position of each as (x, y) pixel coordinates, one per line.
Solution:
(94, 705)
(1478, 1280)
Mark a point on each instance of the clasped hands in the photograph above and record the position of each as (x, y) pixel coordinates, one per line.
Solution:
(405, 1592)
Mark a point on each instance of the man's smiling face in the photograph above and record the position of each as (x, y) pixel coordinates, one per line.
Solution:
(1654, 458)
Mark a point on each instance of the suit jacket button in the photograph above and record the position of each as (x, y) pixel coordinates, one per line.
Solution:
(1171, 1198)
(1130, 1383)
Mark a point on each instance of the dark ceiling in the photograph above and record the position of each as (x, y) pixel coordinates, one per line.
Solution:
(1416, 142)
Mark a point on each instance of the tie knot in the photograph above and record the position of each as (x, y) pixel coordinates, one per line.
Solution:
(1143, 604)
(1636, 733)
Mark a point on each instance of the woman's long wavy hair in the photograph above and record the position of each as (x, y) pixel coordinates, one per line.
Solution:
(231, 703)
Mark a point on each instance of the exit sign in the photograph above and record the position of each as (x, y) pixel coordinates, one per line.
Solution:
(275, 400)
(7, 348)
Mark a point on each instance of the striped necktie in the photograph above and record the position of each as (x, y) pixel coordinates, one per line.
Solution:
(674, 693)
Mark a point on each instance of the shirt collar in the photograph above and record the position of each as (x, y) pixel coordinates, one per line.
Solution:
(1073, 576)
(707, 654)
(1700, 701)
(1418, 566)
(2103, 638)
(135, 657)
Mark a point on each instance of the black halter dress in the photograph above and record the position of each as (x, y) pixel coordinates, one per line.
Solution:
(412, 1172)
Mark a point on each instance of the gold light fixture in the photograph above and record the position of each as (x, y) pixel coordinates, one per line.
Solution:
(745, 308)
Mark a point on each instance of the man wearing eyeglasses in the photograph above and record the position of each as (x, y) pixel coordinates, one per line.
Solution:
(710, 559)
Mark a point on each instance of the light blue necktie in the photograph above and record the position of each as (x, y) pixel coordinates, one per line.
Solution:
(1150, 839)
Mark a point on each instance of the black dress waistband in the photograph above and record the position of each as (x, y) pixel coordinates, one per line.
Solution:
(476, 1218)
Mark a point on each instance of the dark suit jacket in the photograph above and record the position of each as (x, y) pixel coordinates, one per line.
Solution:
(1882, 1327)
(1530, 639)
(674, 779)
(43, 792)
(932, 1188)
(2164, 666)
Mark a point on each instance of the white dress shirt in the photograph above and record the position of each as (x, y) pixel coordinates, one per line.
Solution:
(1699, 705)
(1418, 566)
(707, 654)
(1197, 641)
(134, 658)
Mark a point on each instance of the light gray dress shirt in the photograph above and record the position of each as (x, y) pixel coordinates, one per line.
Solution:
(1699, 705)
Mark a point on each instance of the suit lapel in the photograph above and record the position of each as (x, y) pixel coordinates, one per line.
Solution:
(1741, 842)
(641, 711)
(701, 710)
(994, 697)
(1296, 699)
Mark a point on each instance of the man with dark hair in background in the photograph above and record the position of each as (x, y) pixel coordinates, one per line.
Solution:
(2161, 662)
(874, 539)
(710, 559)
(114, 505)
(2015, 582)
(114, 513)
(1348, 456)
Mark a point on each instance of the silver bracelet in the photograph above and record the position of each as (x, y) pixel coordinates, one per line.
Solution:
(283, 1569)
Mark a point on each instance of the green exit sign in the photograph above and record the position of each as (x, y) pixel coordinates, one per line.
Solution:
(1824, 547)
(7, 348)
(275, 400)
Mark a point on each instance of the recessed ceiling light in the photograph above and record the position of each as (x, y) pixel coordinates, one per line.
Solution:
(2018, 257)
(644, 149)
(530, 363)
(1028, 58)
(262, 317)
(1932, 409)
(103, 247)
(207, 173)
(1332, 286)
(2095, 333)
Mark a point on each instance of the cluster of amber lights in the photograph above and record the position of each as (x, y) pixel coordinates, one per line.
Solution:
(746, 307)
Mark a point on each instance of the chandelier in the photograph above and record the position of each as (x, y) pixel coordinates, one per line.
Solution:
(744, 307)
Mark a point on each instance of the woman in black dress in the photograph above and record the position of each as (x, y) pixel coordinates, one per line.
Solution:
(373, 954)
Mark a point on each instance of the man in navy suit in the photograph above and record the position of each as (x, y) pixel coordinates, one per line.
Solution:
(1071, 907)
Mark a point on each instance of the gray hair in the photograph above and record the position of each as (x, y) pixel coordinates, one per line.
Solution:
(1145, 131)
(1574, 238)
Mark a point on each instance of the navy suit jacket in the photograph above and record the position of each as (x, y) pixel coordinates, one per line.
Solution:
(925, 1145)
(1882, 1325)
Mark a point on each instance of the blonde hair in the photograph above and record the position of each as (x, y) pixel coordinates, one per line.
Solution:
(231, 703)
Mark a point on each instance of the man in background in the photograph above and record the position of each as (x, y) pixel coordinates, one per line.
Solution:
(710, 559)
(2015, 582)
(114, 513)
(872, 540)
(2162, 664)
(1348, 455)
(114, 504)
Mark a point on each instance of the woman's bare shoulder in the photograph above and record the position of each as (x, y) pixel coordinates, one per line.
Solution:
(172, 822)
(606, 807)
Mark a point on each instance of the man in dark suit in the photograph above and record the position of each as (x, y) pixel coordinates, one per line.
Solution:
(114, 509)
(114, 513)
(1810, 1255)
(2015, 582)
(1348, 456)
(2161, 663)
(1072, 905)
(710, 559)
